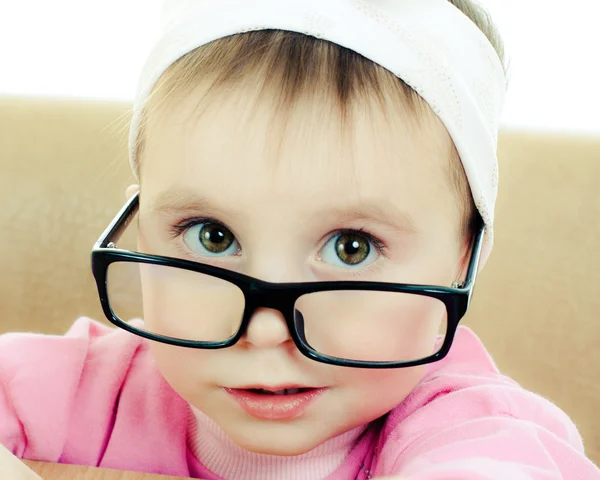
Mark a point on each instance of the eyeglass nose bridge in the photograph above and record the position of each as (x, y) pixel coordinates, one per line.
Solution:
(259, 296)
(264, 296)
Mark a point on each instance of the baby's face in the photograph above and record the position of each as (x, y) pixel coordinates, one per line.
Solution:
(281, 198)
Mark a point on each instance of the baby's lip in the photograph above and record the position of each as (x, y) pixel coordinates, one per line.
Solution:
(280, 402)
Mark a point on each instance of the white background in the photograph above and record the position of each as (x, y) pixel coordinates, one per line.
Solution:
(95, 48)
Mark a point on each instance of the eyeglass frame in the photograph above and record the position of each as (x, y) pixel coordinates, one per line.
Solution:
(278, 296)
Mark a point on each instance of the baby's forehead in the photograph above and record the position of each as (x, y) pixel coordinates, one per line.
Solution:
(312, 137)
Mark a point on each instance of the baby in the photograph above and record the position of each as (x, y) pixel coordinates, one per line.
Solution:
(316, 191)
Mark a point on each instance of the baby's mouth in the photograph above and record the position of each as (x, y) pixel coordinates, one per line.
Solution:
(275, 403)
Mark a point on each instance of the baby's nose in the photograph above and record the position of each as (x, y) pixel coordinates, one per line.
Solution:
(267, 329)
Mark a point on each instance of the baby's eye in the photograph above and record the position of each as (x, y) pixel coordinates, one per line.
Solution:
(211, 239)
(350, 249)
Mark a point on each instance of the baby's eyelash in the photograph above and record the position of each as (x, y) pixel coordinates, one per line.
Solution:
(378, 244)
(179, 228)
(369, 270)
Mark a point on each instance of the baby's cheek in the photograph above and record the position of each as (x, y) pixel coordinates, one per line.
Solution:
(181, 367)
(375, 392)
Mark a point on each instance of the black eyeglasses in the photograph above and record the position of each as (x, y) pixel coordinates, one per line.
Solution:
(345, 323)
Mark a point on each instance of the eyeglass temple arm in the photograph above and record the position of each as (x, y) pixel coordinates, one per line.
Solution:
(117, 226)
(475, 256)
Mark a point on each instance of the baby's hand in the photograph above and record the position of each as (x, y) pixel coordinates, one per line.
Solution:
(11, 467)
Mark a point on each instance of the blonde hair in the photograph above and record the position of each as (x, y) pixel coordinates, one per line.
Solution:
(292, 64)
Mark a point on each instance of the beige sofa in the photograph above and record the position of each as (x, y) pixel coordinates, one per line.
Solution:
(63, 172)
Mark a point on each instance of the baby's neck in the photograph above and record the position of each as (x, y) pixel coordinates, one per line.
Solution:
(218, 453)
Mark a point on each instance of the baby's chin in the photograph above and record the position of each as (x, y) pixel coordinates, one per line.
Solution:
(286, 438)
(284, 445)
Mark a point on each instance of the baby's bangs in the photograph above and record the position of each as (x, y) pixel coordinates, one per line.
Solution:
(284, 69)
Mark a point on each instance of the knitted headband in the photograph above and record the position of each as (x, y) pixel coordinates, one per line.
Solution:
(429, 44)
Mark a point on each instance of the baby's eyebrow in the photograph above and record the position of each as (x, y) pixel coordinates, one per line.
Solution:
(382, 213)
(179, 200)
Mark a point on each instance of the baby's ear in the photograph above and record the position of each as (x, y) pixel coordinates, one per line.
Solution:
(131, 190)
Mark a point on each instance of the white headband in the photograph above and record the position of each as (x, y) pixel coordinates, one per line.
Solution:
(429, 44)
